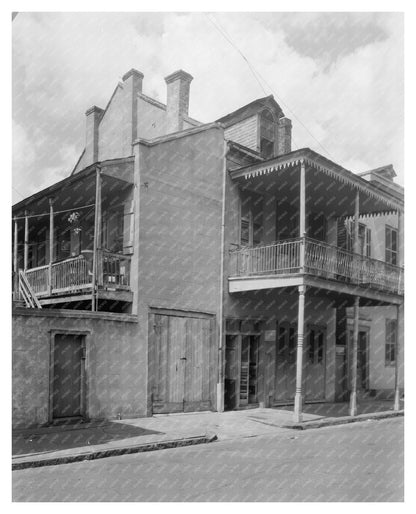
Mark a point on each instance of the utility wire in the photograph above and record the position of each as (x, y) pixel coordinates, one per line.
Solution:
(258, 76)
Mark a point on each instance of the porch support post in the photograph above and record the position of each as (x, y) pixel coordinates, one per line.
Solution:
(16, 279)
(400, 313)
(51, 244)
(396, 358)
(302, 214)
(97, 238)
(356, 247)
(353, 395)
(297, 413)
(26, 243)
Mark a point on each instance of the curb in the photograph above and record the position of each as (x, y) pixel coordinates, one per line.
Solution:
(329, 422)
(112, 452)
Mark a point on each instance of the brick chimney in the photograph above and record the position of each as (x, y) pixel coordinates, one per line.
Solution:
(284, 136)
(93, 117)
(178, 85)
(133, 82)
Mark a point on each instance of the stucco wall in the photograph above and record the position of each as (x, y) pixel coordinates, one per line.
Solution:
(115, 364)
(179, 256)
(381, 376)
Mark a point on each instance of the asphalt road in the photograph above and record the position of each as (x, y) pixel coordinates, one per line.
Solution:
(357, 462)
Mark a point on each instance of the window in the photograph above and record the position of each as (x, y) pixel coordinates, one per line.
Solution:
(267, 134)
(391, 337)
(364, 238)
(251, 219)
(391, 245)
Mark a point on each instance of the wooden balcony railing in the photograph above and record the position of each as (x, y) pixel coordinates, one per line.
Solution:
(75, 274)
(320, 259)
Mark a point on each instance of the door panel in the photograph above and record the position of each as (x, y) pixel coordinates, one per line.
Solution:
(285, 362)
(315, 364)
(67, 376)
(176, 354)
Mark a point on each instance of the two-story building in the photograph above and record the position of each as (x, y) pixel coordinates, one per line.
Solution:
(186, 266)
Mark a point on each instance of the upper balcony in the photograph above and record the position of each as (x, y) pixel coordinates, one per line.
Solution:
(73, 242)
(300, 219)
(272, 264)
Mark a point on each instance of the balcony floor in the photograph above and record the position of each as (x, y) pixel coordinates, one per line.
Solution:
(329, 287)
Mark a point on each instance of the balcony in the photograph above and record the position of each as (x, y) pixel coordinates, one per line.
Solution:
(319, 260)
(74, 276)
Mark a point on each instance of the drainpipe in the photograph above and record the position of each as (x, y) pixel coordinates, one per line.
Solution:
(220, 385)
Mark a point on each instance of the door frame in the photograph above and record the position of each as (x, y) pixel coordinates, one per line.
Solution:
(323, 328)
(151, 348)
(367, 330)
(239, 333)
(84, 369)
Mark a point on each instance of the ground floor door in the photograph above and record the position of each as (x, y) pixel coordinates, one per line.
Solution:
(68, 354)
(241, 370)
(182, 370)
(363, 379)
(285, 377)
(313, 362)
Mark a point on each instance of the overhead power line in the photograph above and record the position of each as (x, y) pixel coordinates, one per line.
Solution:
(260, 78)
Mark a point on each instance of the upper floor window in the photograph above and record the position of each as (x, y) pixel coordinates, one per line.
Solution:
(364, 239)
(267, 132)
(251, 218)
(391, 245)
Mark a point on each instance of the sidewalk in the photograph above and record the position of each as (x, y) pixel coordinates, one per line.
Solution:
(73, 442)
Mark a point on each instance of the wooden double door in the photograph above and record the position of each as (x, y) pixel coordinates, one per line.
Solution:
(181, 362)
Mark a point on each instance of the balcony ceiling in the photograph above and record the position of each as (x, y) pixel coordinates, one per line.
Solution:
(330, 191)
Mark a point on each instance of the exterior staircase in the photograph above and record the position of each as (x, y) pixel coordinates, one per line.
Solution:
(26, 292)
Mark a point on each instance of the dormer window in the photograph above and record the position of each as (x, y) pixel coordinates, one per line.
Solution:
(267, 134)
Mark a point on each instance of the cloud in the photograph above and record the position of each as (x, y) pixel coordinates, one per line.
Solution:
(349, 96)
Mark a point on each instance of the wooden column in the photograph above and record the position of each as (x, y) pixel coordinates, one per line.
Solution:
(97, 239)
(15, 270)
(297, 413)
(51, 244)
(26, 243)
(302, 213)
(400, 313)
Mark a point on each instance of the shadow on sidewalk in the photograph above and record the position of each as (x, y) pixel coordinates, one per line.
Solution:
(72, 435)
(337, 410)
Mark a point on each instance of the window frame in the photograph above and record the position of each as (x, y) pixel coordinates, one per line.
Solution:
(391, 255)
(390, 343)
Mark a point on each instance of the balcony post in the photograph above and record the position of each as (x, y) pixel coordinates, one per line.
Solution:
(353, 394)
(399, 315)
(396, 358)
(297, 413)
(97, 239)
(26, 243)
(15, 270)
(51, 244)
(302, 215)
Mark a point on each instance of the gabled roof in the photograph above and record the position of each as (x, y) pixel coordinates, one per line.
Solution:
(252, 108)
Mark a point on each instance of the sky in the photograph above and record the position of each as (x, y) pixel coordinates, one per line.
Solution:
(338, 76)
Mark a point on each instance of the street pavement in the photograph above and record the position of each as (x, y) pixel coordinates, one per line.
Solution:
(356, 462)
(69, 441)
